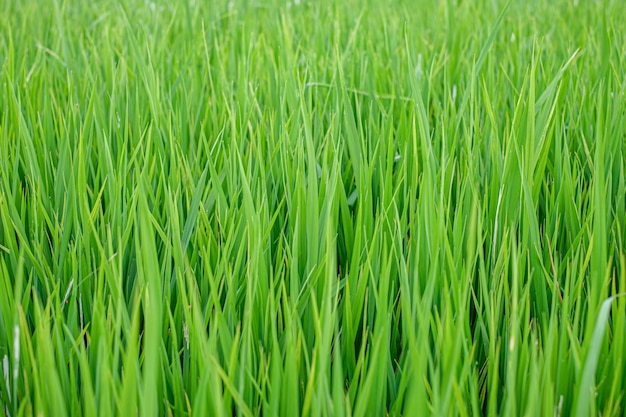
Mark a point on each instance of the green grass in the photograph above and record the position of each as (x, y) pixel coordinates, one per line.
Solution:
(349, 208)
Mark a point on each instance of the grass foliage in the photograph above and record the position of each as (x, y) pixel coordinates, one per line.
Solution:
(312, 208)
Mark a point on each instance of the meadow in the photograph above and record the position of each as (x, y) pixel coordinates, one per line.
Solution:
(312, 208)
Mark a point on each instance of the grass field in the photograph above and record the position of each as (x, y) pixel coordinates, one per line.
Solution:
(348, 208)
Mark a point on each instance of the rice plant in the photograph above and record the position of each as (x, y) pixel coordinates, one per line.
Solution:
(312, 207)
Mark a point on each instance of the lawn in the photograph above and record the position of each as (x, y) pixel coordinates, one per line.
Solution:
(312, 207)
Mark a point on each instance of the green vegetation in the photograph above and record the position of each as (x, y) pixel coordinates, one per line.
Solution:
(349, 208)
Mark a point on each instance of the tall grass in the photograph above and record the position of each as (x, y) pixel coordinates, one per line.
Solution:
(345, 208)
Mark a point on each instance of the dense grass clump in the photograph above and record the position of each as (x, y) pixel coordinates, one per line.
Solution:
(349, 208)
